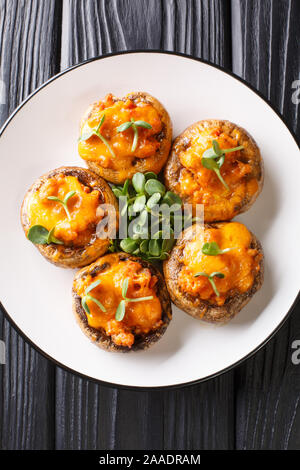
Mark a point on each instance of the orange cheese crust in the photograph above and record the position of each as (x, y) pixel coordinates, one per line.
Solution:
(140, 317)
(242, 169)
(153, 144)
(82, 207)
(243, 268)
(240, 265)
(80, 245)
(143, 319)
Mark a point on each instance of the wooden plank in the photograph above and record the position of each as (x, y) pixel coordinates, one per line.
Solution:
(200, 417)
(266, 52)
(89, 416)
(267, 391)
(29, 38)
(198, 27)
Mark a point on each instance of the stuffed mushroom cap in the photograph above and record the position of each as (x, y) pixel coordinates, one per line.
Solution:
(203, 168)
(121, 303)
(214, 271)
(69, 203)
(133, 134)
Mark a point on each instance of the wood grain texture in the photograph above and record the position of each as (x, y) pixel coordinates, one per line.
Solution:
(267, 390)
(89, 416)
(256, 406)
(95, 27)
(266, 53)
(29, 41)
(266, 50)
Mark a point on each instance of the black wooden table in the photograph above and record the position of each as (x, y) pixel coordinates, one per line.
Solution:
(254, 406)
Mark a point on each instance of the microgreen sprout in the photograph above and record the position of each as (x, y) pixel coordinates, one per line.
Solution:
(120, 312)
(140, 199)
(213, 249)
(214, 157)
(64, 202)
(96, 131)
(87, 296)
(41, 236)
(210, 277)
(134, 125)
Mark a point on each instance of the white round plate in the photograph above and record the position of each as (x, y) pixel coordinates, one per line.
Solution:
(42, 135)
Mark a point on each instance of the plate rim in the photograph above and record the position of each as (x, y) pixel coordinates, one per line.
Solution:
(160, 387)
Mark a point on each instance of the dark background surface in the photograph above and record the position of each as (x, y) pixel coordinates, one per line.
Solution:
(254, 406)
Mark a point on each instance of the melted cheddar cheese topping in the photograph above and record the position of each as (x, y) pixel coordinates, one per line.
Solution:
(140, 317)
(239, 265)
(117, 113)
(201, 185)
(83, 209)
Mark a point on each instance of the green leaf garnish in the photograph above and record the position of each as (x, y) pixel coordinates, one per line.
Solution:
(150, 175)
(87, 296)
(161, 257)
(96, 131)
(167, 244)
(154, 248)
(213, 249)
(124, 208)
(64, 202)
(137, 299)
(214, 165)
(216, 148)
(171, 198)
(41, 236)
(125, 188)
(70, 194)
(92, 286)
(113, 246)
(85, 305)
(134, 124)
(142, 219)
(154, 186)
(233, 149)
(217, 274)
(139, 203)
(52, 239)
(144, 246)
(128, 245)
(138, 182)
(215, 151)
(138, 229)
(125, 287)
(96, 301)
(125, 126)
(214, 157)
(210, 277)
(120, 312)
(117, 192)
(139, 197)
(153, 200)
(38, 234)
(143, 124)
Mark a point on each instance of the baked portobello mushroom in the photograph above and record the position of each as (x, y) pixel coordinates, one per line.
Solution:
(60, 214)
(121, 136)
(203, 168)
(213, 272)
(121, 303)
